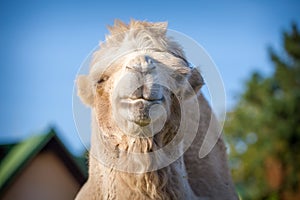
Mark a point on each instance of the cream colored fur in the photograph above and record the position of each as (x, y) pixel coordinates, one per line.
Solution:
(188, 177)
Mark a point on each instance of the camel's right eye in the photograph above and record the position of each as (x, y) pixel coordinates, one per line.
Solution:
(102, 79)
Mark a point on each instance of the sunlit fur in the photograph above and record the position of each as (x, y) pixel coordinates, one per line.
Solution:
(188, 177)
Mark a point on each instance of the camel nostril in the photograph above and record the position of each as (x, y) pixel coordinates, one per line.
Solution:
(150, 68)
(132, 67)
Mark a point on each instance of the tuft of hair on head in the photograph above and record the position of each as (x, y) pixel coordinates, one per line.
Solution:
(119, 26)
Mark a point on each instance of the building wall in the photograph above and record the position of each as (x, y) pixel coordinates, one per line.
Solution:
(46, 178)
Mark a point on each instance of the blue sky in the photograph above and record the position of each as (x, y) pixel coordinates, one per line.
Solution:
(42, 44)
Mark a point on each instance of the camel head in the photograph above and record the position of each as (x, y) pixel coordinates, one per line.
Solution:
(137, 79)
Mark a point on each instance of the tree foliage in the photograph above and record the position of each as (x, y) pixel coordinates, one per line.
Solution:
(263, 130)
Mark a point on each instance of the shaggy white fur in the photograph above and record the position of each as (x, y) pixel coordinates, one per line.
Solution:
(123, 85)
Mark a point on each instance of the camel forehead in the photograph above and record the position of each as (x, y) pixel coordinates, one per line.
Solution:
(128, 41)
(160, 59)
(165, 58)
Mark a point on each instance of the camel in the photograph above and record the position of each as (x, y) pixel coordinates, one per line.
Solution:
(142, 91)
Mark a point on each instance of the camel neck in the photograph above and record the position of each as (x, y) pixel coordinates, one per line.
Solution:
(166, 183)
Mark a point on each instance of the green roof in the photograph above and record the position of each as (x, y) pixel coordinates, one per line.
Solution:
(22, 153)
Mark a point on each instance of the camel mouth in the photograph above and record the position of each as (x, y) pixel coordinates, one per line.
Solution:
(138, 110)
(139, 105)
(141, 101)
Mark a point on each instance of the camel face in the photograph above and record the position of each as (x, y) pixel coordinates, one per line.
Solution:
(137, 81)
(140, 88)
(137, 92)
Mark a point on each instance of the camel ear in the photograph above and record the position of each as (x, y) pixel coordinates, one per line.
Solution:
(84, 90)
(196, 80)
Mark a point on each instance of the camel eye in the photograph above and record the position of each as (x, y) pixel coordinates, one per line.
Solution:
(102, 79)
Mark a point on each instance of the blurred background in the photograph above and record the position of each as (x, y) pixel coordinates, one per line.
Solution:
(255, 44)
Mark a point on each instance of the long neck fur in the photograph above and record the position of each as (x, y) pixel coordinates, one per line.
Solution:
(167, 183)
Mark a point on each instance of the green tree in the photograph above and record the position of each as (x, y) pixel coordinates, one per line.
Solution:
(263, 130)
